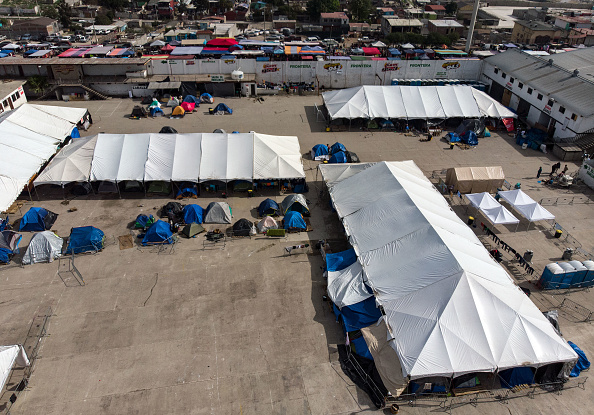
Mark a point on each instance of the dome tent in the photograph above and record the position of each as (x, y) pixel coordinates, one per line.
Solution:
(188, 106)
(294, 220)
(222, 108)
(267, 223)
(191, 99)
(207, 98)
(156, 112)
(193, 214)
(37, 219)
(243, 227)
(336, 147)
(44, 247)
(319, 152)
(339, 157)
(218, 212)
(295, 203)
(85, 239)
(178, 112)
(268, 207)
(158, 233)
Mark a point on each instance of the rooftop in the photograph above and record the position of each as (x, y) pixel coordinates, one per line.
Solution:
(445, 23)
(8, 86)
(334, 15)
(39, 21)
(404, 22)
(434, 7)
(536, 25)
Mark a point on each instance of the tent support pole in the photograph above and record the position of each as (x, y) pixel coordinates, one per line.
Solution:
(350, 123)
(118, 187)
(29, 191)
(517, 226)
(63, 193)
(36, 194)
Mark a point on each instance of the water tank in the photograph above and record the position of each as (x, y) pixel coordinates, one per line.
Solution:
(237, 75)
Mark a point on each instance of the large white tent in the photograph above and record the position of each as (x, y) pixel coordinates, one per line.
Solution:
(176, 157)
(412, 102)
(449, 307)
(9, 356)
(29, 137)
(491, 208)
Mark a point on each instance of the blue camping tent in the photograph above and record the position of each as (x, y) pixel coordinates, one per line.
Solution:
(37, 220)
(192, 100)
(294, 220)
(359, 315)
(340, 260)
(187, 190)
(85, 239)
(142, 221)
(156, 112)
(268, 208)
(319, 150)
(193, 214)
(582, 364)
(339, 157)
(469, 137)
(453, 138)
(75, 133)
(207, 98)
(159, 233)
(336, 147)
(223, 108)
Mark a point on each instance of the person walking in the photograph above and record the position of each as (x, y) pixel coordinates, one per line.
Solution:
(539, 172)
(565, 169)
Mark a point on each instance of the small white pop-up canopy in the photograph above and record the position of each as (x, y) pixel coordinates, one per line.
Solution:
(450, 308)
(9, 356)
(412, 102)
(527, 206)
(491, 208)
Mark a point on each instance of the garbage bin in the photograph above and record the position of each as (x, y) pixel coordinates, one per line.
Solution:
(528, 255)
(567, 254)
(470, 221)
(451, 146)
(558, 233)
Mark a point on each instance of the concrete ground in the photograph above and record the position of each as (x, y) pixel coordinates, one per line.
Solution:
(239, 329)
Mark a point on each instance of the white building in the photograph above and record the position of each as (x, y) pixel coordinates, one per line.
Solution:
(551, 91)
(12, 95)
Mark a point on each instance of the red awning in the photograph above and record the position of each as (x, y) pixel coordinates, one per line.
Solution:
(371, 51)
(222, 41)
(167, 48)
(379, 59)
(307, 58)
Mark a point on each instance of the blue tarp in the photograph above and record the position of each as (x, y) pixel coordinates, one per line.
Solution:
(5, 255)
(206, 97)
(386, 124)
(75, 133)
(155, 111)
(336, 147)
(224, 108)
(360, 347)
(360, 315)
(294, 220)
(340, 260)
(191, 99)
(339, 157)
(33, 220)
(469, 137)
(193, 214)
(582, 364)
(516, 376)
(394, 51)
(4, 223)
(186, 190)
(453, 137)
(320, 150)
(268, 207)
(158, 233)
(142, 221)
(85, 239)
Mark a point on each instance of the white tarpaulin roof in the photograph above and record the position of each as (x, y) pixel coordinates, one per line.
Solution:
(71, 164)
(335, 173)
(29, 137)
(524, 204)
(450, 308)
(346, 287)
(177, 157)
(491, 208)
(9, 355)
(412, 102)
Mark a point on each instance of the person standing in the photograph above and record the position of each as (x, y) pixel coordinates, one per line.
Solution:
(539, 172)
(565, 169)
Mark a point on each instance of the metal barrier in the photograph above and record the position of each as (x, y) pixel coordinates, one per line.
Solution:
(565, 200)
(578, 309)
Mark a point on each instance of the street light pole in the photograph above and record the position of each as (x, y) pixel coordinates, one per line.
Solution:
(471, 28)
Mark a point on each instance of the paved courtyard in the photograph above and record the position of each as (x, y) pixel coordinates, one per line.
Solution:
(241, 328)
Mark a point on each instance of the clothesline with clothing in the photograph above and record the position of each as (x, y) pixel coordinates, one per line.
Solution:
(506, 247)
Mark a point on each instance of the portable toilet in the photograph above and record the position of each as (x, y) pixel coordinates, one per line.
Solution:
(440, 82)
(580, 273)
(569, 274)
(551, 277)
(589, 280)
(424, 82)
(394, 82)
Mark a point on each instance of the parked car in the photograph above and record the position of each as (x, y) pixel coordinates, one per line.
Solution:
(51, 38)
(82, 38)
(65, 38)
(26, 36)
(312, 39)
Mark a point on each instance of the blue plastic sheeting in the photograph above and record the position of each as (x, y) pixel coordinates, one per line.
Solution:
(4, 223)
(191, 99)
(516, 376)
(336, 147)
(395, 52)
(320, 150)
(156, 110)
(258, 58)
(143, 220)
(193, 214)
(361, 348)
(187, 189)
(386, 124)
(75, 133)
(453, 137)
(414, 387)
(4, 255)
(158, 233)
(33, 221)
(224, 108)
(358, 316)
(206, 97)
(268, 207)
(582, 364)
(339, 157)
(469, 137)
(85, 239)
(294, 220)
(340, 260)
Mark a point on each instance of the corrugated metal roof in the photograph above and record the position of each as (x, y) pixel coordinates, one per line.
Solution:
(557, 80)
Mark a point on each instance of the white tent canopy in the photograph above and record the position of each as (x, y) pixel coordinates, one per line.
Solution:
(449, 307)
(412, 102)
(9, 356)
(491, 208)
(177, 157)
(346, 287)
(335, 173)
(527, 206)
(29, 137)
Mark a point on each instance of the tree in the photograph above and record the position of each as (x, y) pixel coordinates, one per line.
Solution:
(201, 5)
(395, 38)
(114, 4)
(103, 19)
(453, 38)
(64, 13)
(37, 84)
(315, 7)
(360, 9)
(49, 10)
(225, 5)
(451, 8)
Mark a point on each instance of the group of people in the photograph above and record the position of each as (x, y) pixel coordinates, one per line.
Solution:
(554, 169)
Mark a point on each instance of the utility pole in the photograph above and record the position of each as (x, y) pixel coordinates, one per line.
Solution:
(471, 28)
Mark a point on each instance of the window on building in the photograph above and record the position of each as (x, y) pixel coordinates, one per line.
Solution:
(511, 80)
(550, 103)
(574, 117)
(5, 103)
(539, 97)
(15, 96)
(562, 110)
(496, 71)
(520, 85)
(529, 90)
(503, 75)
